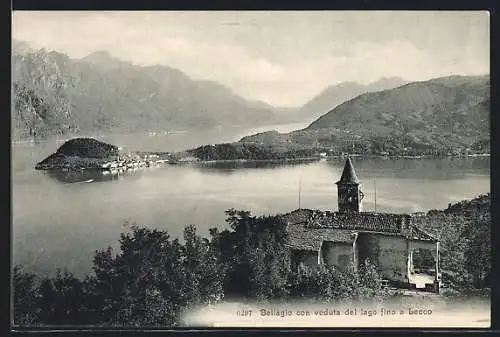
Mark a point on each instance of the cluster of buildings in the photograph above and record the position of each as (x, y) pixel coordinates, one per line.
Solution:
(406, 255)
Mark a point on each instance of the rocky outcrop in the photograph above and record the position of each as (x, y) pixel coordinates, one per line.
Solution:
(88, 153)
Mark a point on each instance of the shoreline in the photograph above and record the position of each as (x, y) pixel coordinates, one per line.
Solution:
(318, 158)
(88, 153)
(147, 163)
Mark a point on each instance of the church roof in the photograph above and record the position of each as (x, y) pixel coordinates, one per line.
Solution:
(303, 238)
(377, 222)
(307, 229)
(368, 221)
(348, 175)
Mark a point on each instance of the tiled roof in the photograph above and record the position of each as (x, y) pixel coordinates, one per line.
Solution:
(300, 237)
(377, 222)
(307, 229)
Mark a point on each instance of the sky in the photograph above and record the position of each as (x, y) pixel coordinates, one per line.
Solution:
(282, 58)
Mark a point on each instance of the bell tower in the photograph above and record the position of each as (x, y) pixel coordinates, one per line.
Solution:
(349, 190)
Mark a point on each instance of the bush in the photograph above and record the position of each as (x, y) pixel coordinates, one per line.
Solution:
(330, 283)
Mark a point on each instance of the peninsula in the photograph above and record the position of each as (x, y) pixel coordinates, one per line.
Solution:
(89, 153)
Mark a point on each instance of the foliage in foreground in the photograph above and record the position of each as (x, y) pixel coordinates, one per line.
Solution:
(464, 230)
(148, 283)
(325, 284)
(154, 278)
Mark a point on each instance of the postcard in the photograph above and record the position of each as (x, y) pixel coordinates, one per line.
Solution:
(209, 169)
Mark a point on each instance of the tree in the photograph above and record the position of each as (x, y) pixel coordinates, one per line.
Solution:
(464, 232)
(62, 300)
(477, 255)
(203, 273)
(254, 255)
(154, 279)
(148, 269)
(26, 311)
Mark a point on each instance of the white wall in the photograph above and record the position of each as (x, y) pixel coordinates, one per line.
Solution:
(393, 258)
(333, 250)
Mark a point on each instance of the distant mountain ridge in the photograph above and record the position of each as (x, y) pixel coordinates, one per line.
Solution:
(441, 101)
(100, 93)
(54, 94)
(442, 114)
(339, 93)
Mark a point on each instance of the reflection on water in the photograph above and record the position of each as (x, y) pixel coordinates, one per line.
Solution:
(89, 175)
(370, 168)
(428, 169)
(61, 218)
(96, 175)
(232, 166)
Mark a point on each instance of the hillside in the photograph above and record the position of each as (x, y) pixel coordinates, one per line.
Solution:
(103, 93)
(448, 103)
(339, 93)
(439, 116)
(464, 230)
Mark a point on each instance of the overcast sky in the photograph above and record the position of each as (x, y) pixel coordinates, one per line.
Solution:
(282, 58)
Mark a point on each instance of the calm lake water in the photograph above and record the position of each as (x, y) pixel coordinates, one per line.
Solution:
(59, 220)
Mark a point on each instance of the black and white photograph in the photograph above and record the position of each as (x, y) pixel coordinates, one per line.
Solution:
(237, 169)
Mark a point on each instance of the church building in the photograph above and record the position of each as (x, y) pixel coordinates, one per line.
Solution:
(406, 255)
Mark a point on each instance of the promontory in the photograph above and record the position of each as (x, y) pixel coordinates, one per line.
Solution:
(89, 153)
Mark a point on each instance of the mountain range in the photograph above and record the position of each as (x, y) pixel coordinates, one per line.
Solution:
(441, 114)
(55, 94)
(339, 93)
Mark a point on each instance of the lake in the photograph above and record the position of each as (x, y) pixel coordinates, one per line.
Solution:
(59, 220)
